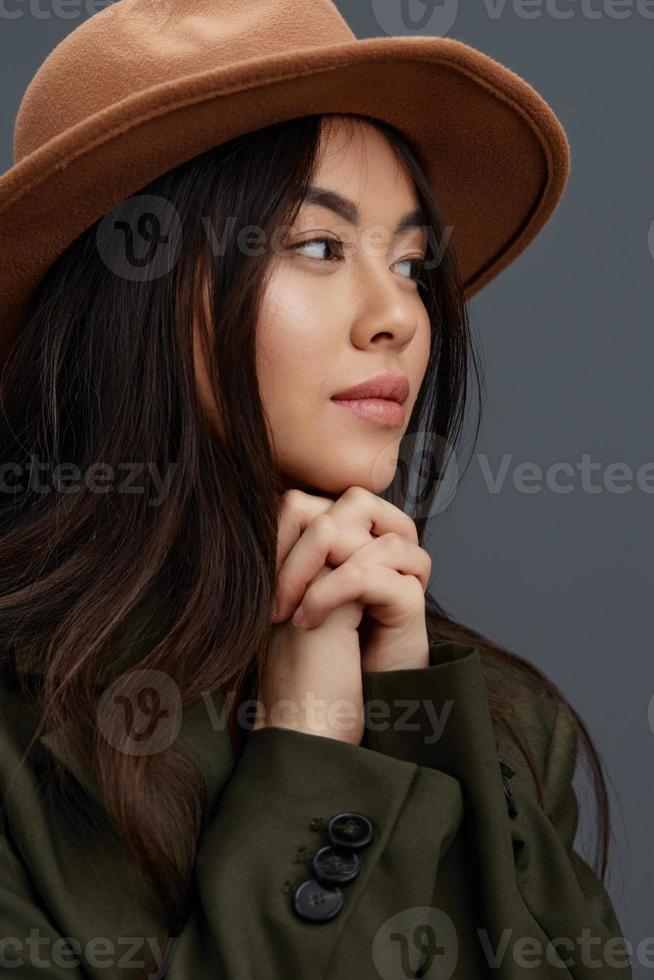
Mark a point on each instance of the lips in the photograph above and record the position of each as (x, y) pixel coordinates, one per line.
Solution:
(383, 411)
(392, 387)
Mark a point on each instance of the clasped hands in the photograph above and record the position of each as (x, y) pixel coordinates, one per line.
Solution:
(371, 550)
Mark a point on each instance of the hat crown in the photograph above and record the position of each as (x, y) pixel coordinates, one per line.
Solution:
(134, 45)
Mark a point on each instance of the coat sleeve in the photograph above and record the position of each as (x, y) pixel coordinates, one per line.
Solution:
(408, 709)
(557, 884)
(562, 809)
(256, 851)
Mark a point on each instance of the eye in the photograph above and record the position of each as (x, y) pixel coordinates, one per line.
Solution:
(335, 246)
(419, 265)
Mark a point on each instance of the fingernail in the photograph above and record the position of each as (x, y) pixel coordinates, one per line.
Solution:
(298, 618)
(275, 610)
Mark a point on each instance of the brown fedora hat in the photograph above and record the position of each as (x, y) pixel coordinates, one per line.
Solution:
(144, 85)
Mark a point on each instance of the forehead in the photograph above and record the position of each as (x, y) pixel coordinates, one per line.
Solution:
(360, 178)
(358, 161)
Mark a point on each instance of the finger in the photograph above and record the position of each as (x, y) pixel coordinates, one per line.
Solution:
(393, 598)
(323, 543)
(397, 553)
(356, 505)
(377, 516)
(297, 510)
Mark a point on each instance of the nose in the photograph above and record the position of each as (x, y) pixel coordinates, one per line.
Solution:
(387, 311)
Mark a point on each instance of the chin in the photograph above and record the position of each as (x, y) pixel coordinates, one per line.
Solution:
(374, 471)
(336, 484)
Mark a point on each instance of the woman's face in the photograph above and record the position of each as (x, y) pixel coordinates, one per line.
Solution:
(333, 316)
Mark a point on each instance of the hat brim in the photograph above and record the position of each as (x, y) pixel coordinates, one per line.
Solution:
(495, 153)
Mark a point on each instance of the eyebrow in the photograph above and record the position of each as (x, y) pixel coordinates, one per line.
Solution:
(348, 210)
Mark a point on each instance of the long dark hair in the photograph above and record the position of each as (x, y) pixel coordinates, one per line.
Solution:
(103, 371)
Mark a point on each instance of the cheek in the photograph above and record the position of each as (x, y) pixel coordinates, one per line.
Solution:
(292, 346)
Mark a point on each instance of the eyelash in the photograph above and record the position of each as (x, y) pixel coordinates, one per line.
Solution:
(420, 280)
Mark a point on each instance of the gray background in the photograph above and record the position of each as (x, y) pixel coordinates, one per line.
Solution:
(566, 338)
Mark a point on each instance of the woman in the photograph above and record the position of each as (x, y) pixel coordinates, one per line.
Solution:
(396, 798)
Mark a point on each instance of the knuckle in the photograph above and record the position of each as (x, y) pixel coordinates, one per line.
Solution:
(311, 600)
(322, 573)
(324, 526)
(393, 540)
(290, 499)
(411, 528)
(414, 590)
(355, 494)
(354, 574)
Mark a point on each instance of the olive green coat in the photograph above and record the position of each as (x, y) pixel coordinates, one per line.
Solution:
(454, 883)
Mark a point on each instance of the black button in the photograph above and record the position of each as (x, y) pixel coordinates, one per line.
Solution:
(508, 773)
(334, 864)
(350, 829)
(316, 902)
(510, 803)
